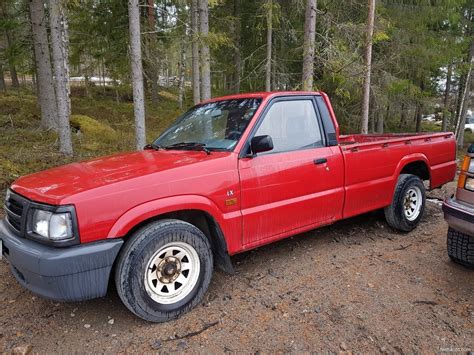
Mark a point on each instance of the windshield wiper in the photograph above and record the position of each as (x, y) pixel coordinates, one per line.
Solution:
(189, 145)
(153, 146)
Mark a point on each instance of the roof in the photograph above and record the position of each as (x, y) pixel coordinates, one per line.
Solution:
(263, 95)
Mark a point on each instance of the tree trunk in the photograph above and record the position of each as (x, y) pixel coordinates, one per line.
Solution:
(46, 94)
(268, 66)
(418, 117)
(459, 101)
(137, 73)
(182, 72)
(205, 53)
(308, 45)
(446, 98)
(380, 120)
(59, 50)
(403, 116)
(195, 52)
(237, 42)
(3, 87)
(152, 46)
(13, 73)
(465, 99)
(368, 67)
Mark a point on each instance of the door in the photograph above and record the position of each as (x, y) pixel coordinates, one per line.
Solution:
(299, 183)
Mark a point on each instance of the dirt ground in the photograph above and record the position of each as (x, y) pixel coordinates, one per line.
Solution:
(355, 286)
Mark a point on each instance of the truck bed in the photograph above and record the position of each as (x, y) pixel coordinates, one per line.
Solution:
(383, 138)
(374, 161)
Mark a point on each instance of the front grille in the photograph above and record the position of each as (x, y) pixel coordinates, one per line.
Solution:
(15, 206)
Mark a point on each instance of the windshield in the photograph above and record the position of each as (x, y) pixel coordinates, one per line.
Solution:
(215, 125)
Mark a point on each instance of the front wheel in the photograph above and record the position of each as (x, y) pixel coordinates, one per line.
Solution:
(461, 248)
(164, 270)
(408, 204)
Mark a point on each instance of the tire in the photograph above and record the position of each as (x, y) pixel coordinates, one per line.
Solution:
(461, 248)
(401, 215)
(164, 270)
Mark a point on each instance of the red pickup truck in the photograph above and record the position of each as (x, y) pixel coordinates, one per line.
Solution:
(231, 174)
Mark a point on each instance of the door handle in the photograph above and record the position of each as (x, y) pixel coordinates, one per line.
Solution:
(320, 161)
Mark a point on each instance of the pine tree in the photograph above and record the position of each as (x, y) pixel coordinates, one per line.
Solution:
(196, 81)
(59, 51)
(368, 68)
(205, 52)
(46, 94)
(308, 45)
(137, 73)
(268, 65)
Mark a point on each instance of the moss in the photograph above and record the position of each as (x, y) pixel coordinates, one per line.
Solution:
(93, 129)
(168, 95)
(10, 171)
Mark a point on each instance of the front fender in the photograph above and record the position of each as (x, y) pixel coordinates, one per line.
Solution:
(151, 209)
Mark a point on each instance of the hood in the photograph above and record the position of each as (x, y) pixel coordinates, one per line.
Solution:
(54, 185)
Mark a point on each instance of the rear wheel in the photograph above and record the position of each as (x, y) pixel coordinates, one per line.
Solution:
(164, 270)
(408, 204)
(461, 248)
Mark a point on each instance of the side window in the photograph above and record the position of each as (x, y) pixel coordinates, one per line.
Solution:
(292, 125)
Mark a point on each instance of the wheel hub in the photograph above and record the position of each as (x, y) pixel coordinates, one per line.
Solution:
(172, 272)
(168, 269)
(412, 203)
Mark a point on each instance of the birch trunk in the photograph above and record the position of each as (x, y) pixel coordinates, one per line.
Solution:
(137, 73)
(195, 52)
(459, 101)
(446, 97)
(205, 53)
(59, 50)
(368, 67)
(46, 94)
(308, 45)
(268, 66)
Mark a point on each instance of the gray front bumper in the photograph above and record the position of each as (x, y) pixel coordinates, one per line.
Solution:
(459, 216)
(73, 273)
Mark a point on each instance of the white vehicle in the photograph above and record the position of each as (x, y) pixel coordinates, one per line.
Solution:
(469, 124)
(429, 118)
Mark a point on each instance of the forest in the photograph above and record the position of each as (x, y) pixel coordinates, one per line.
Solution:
(81, 78)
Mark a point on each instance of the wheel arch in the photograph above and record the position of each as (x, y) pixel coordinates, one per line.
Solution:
(415, 164)
(196, 210)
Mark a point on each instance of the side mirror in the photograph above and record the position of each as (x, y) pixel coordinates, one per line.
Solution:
(260, 144)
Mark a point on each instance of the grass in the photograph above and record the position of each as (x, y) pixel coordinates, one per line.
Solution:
(100, 126)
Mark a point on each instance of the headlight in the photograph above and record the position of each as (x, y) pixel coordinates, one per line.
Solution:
(54, 226)
(469, 184)
(471, 166)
